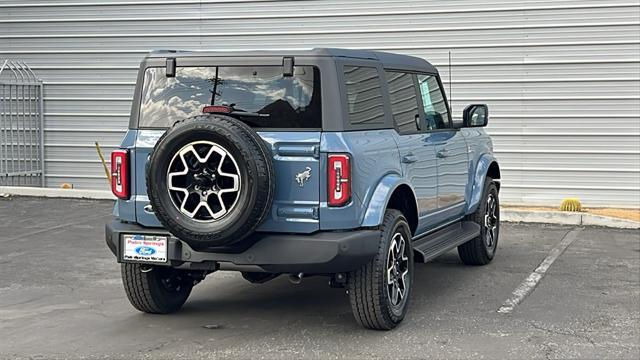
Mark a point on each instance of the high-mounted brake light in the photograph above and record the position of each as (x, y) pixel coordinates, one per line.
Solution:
(339, 192)
(120, 173)
(213, 109)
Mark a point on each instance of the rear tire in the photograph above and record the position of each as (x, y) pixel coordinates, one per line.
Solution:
(156, 289)
(482, 249)
(371, 288)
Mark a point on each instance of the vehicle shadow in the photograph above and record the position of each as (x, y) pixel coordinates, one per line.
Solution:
(229, 301)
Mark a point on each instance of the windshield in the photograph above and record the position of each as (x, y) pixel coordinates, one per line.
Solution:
(259, 95)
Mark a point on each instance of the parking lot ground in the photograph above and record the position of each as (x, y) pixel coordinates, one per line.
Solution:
(61, 296)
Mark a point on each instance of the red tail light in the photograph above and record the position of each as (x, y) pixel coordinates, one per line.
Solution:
(120, 173)
(339, 174)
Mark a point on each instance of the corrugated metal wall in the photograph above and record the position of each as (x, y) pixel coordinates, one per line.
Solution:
(562, 78)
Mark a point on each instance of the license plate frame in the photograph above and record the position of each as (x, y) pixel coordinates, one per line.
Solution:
(140, 248)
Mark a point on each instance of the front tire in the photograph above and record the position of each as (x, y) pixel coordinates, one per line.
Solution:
(156, 289)
(482, 249)
(380, 290)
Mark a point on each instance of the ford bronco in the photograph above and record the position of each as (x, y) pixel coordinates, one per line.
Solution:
(326, 162)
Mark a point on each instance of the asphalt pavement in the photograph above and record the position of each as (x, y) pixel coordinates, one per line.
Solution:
(61, 297)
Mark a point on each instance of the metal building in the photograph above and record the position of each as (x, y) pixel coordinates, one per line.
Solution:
(562, 78)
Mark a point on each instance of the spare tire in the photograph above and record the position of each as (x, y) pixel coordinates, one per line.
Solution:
(210, 180)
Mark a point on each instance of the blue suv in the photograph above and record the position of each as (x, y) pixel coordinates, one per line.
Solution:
(326, 162)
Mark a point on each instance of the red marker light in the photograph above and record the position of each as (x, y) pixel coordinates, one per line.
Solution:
(217, 109)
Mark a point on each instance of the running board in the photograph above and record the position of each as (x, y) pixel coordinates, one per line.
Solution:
(435, 244)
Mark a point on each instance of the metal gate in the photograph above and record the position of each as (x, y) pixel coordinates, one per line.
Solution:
(21, 126)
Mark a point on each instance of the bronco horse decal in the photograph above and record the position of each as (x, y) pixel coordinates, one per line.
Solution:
(302, 177)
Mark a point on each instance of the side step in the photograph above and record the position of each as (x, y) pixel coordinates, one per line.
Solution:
(435, 244)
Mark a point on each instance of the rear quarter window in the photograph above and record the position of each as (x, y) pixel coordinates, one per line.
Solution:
(364, 96)
(275, 100)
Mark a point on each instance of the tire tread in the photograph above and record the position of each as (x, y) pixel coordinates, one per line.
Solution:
(473, 252)
(143, 295)
(365, 285)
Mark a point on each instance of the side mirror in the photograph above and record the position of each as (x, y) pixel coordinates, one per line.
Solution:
(475, 115)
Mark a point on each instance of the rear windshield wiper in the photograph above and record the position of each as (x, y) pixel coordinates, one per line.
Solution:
(224, 109)
(247, 113)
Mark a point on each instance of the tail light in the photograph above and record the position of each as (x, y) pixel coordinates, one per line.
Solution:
(120, 173)
(339, 174)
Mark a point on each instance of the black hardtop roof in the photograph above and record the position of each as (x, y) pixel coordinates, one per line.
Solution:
(388, 60)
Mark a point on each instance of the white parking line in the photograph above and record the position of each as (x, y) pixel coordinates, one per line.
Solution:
(530, 283)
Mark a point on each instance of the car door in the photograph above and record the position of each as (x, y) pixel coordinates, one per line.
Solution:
(417, 151)
(450, 147)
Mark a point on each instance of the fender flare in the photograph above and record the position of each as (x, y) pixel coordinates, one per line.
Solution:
(485, 161)
(377, 206)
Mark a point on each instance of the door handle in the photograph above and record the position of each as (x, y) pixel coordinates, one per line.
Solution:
(409, 158)
(443, 153)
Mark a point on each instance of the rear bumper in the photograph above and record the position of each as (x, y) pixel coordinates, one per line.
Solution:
(321, 252)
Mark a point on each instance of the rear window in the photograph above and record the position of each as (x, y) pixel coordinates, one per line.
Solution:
(270, 99)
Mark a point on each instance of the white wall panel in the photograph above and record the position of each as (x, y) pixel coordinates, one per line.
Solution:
(562, 78)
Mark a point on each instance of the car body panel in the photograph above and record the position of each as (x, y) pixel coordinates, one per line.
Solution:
(453, 173)
(295, 204)
(480, 159)
(380, 197)
(374, 154)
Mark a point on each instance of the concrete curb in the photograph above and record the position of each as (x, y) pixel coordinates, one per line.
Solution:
(565, 218)
(57, 193)
(506, 214)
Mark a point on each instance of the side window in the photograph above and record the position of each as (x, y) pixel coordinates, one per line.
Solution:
(435, 107)
(364, 96)
(404, 102)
